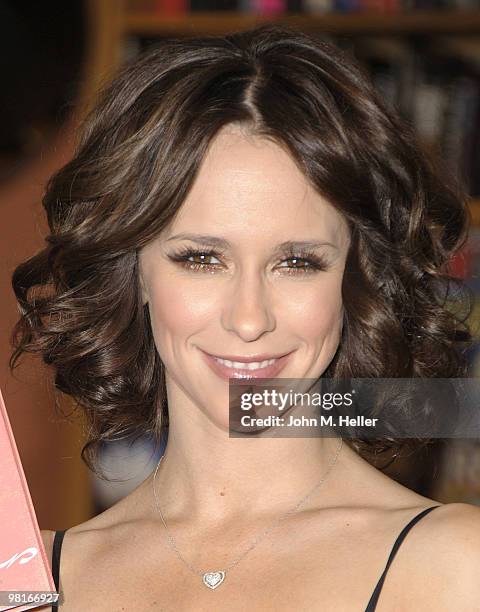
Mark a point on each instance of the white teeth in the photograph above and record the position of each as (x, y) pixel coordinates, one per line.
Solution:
(238, 365)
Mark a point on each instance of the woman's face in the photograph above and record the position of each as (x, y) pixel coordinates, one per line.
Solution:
(259, 275)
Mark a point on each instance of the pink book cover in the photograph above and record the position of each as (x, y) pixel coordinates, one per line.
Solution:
(24, 565)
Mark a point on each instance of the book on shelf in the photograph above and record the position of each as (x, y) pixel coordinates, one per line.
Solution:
(298, 6)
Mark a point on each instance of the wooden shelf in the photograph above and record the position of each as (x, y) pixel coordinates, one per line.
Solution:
(475, 210)
(421, 22)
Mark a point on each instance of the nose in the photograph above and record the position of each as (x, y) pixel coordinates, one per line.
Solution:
(248, 311)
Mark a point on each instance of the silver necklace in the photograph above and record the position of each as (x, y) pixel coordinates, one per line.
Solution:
(213, 579)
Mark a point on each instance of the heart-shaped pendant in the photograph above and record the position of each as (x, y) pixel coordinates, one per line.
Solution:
(213, 579)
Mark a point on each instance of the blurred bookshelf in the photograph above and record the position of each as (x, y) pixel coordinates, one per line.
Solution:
(210, 22)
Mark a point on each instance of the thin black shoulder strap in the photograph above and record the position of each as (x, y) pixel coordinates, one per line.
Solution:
(372, 604)
(57, 549)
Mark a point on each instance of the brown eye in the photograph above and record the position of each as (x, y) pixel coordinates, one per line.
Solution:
(201, 259)
(304, 265)
(298, 262)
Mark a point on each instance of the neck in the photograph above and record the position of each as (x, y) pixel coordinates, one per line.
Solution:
(213, 479)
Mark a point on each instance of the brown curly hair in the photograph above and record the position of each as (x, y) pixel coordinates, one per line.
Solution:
(139, 152)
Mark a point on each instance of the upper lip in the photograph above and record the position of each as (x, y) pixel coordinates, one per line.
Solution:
(249, 359)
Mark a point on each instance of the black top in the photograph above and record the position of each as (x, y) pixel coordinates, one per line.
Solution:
(372, 604)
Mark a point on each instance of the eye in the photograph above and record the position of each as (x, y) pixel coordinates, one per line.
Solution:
(305, 265)
(185, 256)
(193, 259)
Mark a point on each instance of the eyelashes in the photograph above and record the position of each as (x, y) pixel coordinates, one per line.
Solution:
(304, 262)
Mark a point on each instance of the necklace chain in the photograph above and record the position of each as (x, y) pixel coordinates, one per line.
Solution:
(259, 537)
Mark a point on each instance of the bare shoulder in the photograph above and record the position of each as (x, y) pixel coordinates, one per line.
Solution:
(81, 539)
(459, 525)
(446, 555)
(458, 515)
(47, 537)
(100, 533)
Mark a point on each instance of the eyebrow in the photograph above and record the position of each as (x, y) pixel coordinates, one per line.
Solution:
(224, 244)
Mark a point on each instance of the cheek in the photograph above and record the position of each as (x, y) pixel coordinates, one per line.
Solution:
(318, 309)
(177, 309)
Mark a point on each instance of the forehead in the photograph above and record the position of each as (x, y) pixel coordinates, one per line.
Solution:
(249, 183)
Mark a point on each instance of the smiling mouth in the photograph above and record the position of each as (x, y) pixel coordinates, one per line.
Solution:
(242, 365)
(265, 368)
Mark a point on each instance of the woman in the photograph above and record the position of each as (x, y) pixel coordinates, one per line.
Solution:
(248, 199)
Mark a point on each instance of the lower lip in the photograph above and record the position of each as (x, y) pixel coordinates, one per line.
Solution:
(225, 372)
